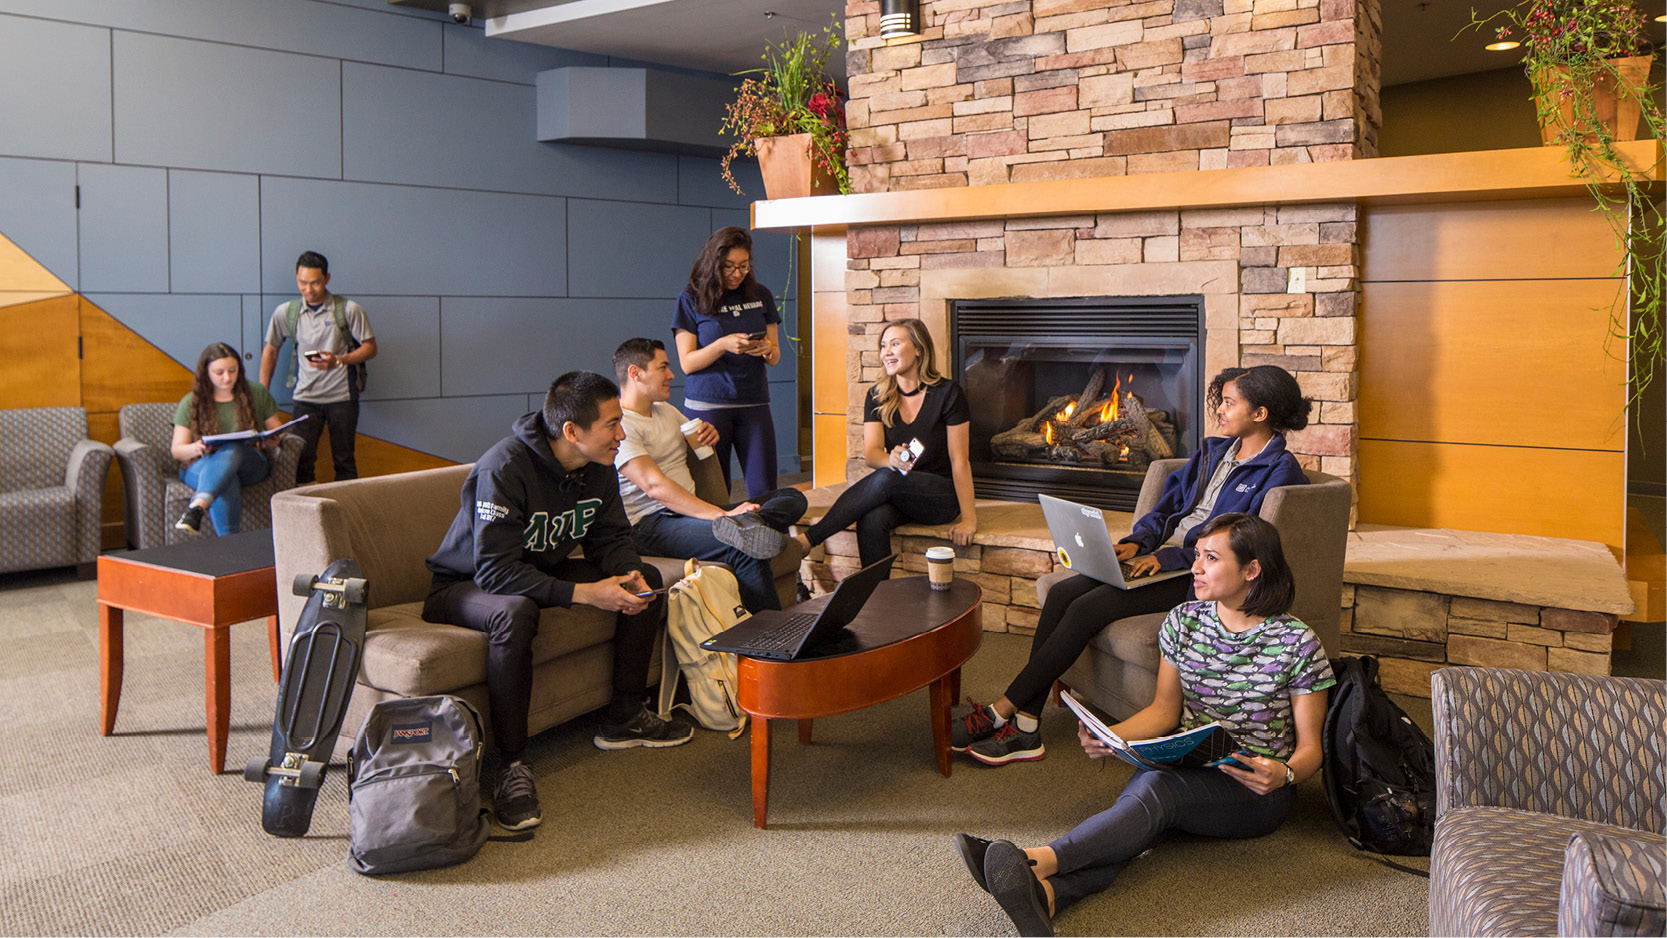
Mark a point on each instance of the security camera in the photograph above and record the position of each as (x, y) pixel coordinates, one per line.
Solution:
(460, 12)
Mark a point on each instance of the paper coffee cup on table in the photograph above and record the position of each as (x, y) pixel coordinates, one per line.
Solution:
(690, 428)
(940, 566)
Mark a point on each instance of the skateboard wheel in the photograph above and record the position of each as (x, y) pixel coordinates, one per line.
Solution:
(355, 590)
(312, 774)
(304, 583)
(255, 769)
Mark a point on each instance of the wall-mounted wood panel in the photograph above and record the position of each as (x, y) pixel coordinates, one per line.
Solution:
(1511, 490)
(830, 456)
(38, 345)
(1521, 239)
(120, 368)
(828, 342)
(1513, 362)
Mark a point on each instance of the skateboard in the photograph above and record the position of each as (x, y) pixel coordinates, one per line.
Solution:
(318, 677)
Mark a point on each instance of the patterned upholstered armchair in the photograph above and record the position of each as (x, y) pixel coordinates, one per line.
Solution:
(1549, 804)
(51, 488)
(153, 495)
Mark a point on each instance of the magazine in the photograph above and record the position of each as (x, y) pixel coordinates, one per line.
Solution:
(1204, 746)
(241, 436)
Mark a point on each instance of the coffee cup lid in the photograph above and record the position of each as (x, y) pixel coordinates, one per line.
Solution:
(940, 553)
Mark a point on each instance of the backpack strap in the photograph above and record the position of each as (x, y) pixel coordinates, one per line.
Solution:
(292, 316)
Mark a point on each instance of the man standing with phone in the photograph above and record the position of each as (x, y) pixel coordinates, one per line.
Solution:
(333, 340)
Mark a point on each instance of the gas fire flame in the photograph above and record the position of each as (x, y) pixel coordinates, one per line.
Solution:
(1065, 414)
(1047, 431)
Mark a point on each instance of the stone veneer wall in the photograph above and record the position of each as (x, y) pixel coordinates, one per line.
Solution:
(1057, 89)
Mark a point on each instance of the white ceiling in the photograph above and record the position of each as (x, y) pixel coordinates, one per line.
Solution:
(727, 36)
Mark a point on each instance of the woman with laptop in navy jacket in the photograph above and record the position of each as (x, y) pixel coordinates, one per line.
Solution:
(1255, 408)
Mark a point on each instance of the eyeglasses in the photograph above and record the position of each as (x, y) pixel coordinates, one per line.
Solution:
(736, 268)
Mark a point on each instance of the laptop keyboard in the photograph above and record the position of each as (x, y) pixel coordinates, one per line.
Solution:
(784, 634)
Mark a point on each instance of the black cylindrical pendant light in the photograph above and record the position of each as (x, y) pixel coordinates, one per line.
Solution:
(899, 18)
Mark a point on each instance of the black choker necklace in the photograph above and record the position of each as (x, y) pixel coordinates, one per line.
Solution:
(918, 388)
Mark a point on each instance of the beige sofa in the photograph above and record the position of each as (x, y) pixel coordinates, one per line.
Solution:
(390, 525)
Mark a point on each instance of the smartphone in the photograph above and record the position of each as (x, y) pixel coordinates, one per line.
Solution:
(755, 336)
(647, 593)
(914, 448)
(313, 356)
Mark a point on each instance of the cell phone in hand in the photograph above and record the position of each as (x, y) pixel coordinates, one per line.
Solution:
(912, 453)
(647, 593)
(755, 336)
(313, 356)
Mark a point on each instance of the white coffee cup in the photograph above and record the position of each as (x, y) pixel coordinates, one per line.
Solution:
(690, 428)
(940, 566)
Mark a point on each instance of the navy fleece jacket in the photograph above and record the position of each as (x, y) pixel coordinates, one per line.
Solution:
(1244, 490)
(522, 514)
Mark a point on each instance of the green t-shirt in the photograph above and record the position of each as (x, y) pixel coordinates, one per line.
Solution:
(226, 411)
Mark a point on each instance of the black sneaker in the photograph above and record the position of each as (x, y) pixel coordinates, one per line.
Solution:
(515, 799)
(749, 534)
(979, 724)
(1009, 744)
(972, 854)
(192, 520)
(1007, 871)
(644, 729)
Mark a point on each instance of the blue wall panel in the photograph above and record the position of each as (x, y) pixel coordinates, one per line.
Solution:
(201, 105)
(407, 330)
(501, 346)
(314, 28)
(405, 240)
(213, 231)
(124, 229)
(57, 98)
(455, 428)
(469, 52)
(181, 325)
(700, 181)
(633, 249)
(37, 212)
(444, 130)
(254, 335)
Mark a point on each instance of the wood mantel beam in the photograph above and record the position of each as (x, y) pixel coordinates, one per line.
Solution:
(1536, 172)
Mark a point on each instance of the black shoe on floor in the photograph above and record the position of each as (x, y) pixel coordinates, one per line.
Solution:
(750, 535)
(515, 798)
(1009, 744)
(972, 853)
(644, 729)
(192, 520)
(1016, 888)
(978, 724)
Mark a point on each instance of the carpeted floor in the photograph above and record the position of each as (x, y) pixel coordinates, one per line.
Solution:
(131, 834)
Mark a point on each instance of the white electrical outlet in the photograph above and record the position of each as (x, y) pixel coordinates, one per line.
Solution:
(1298, 282)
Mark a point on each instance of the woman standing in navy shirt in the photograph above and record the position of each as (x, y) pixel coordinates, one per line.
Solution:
(725, 330)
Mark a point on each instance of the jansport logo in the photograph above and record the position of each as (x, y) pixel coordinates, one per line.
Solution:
(413, 733)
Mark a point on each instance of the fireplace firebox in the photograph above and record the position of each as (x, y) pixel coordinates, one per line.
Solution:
(1076, 396)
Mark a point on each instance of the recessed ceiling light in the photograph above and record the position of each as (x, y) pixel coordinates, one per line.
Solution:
(1662, 18)
(1503, 46)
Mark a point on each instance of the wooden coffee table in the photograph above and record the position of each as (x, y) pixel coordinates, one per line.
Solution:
(906, 637)
(211, 582)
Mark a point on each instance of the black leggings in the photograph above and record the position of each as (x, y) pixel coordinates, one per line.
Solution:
(511, 624)
(1076, 610)
(879, 502)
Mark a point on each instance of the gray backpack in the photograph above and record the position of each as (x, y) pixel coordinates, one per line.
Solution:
(413, 792)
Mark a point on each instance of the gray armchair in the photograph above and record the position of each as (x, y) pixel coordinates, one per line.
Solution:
(51, 488)
(153, 495)
(1549, 804)
(1119, 670)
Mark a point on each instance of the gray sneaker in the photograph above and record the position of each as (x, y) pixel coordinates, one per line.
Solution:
(515, 798)
(749, 534)
(644, 729)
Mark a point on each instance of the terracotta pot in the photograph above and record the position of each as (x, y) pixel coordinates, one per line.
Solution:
(1618, 108)
(788, 170)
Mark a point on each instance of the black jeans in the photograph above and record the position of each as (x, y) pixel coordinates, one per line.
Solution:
(879, 502)
(511, 624)
(1076, 610)
(343, 418)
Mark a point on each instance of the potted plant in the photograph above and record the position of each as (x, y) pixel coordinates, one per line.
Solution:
(1589, 64)
(792, 116)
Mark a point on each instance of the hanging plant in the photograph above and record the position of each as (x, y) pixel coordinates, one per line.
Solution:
(793, 94)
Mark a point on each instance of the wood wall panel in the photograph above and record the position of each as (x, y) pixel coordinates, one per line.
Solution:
(1501, 362)
(1521, 239)
(20, 273)
(38, 345)
(103, 428)
(1511, 490)
(829, 337)
(829, 462)
(119, 367)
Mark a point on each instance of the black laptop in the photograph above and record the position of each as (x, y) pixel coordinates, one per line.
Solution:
(784, 635)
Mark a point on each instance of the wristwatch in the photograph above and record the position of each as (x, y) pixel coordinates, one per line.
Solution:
(1290, 775)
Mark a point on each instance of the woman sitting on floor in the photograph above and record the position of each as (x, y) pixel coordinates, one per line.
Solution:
(222, 400)
(1255, 408)
(1234, 655)
(911, 402)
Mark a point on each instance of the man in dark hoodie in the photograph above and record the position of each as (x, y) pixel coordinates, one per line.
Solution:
(530, 500)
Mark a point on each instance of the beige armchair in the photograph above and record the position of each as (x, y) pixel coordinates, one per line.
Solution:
(1119, 670)
(51, 489)
(153, 497)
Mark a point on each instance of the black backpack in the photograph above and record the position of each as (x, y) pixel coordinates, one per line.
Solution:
(1379, 767)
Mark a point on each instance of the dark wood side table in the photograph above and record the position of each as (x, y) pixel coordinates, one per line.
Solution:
(211, 582)
(906, 637)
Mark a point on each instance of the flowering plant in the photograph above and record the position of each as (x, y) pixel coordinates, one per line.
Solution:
(792, 94)
(1561, 32)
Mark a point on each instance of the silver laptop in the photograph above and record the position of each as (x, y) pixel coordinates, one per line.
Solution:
(1083, 544)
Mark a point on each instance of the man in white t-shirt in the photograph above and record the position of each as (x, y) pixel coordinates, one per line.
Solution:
(667, 518)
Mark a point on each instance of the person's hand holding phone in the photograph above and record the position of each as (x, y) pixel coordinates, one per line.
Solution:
(320, 359)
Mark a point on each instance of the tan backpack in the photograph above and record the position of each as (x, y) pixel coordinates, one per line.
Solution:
(702, 604)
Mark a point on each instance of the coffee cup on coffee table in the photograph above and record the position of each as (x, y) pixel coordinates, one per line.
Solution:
(940, 566)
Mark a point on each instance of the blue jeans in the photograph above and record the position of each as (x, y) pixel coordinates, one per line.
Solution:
(668, 534)
(221, 476)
